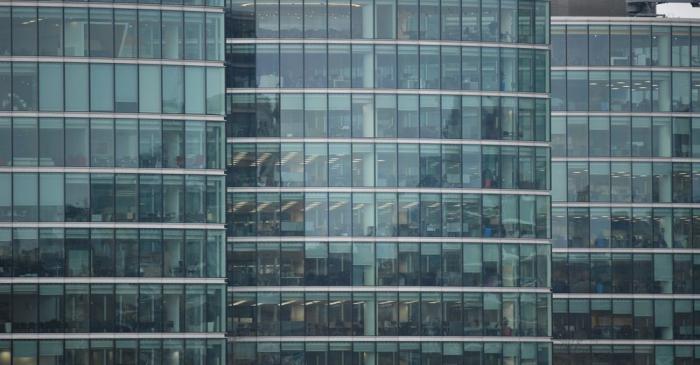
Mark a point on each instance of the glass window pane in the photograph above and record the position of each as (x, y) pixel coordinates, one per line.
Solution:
(101, 88)
(172, 42)
(24, 31)
(150, 198)
(126, 197)
(25, 197)
(149, 89)
(195, 93)
(338, 64)
(25, 84)
(101, 28)
(77, 197)
(24, 142)
(149, 34)
(126, 88)
(102, 197)
(51, 198)
(75, 37)
(215, 90)
(25, 249)
(598, 45)
(173, 89)
(126, 143)
(194, 36)
(150, 143)
(125, 27)
(102, 142)
(267, 65)
(195, 199)
(51, 86)
(215, 36)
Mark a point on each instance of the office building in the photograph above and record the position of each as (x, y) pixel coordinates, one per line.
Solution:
(625, 217)
(112, 183)
(387, 198)
(388, 182)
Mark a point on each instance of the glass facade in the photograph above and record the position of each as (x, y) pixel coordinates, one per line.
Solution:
(388, 215)
(353, 182)
(112, 143)
(111, 253)
(502, 21)
(387, 66)
(73, 197)
(112, 308)
(388, 314)
(122, 351)
(112, 173)
(120, 88)
(390, 353)
(388, 115)
(624, 211)
(388, 182)
(384, 264)
(626, 354)
(113, 33)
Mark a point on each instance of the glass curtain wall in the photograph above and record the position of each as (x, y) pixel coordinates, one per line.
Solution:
(388, 175)
(112, 186)
(623, 212)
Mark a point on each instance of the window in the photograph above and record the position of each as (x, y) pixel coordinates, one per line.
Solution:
(173, 89)
(50, 32)
(101, 28)
(661, 46)
(215, 90)
(267, 65)
(25, 197)
(172, 30)
(51, 87)
(77, 255)
(215, 36)
(195, 199)
(126, 143)
(195, 145)
(599, 45)
(193, 36)
(150, 143)
(385, 66)
(125, 28)
(24, 31)
(126, 254)
(51, 207)
(75, 38)
(195, 94)
(620, 45)
(430, 67)
(150, 198)
(25, 86)
(102, 142)
(149, 89)
(362, 66)
(102, 242)
(126, 88)
(51, 256)
(126, 203)
(102, 197)
(149, 34)
(315, 119)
